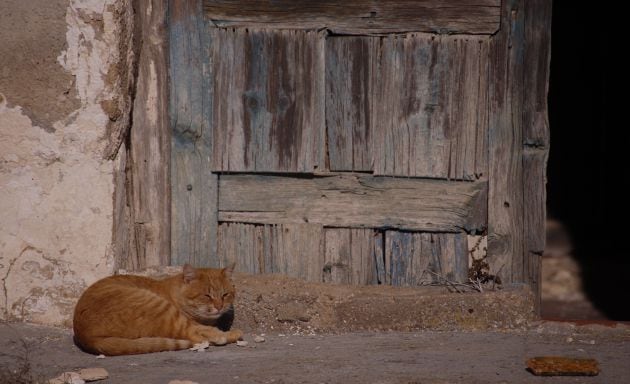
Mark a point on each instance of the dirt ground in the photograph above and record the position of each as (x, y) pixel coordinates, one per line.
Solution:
(355, 357)
(323, 333)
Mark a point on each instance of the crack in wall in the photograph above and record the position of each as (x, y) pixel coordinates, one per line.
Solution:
(6, 276)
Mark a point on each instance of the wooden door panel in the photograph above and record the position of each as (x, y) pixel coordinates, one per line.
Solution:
(354, 159)
(430, 109)
(356, 256)
(268, 106)
(411, 105)
(359, 16)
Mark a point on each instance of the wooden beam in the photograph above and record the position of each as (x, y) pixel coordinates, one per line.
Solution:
(518, 141)
(359, 16)
(353, 200)
(150, 136)
(505, 200)
(537, 54)
(193, 186)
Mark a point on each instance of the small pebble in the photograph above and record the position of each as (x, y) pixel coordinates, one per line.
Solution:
(259, 339)
(241, 343)
(93, 374)
(100, 356)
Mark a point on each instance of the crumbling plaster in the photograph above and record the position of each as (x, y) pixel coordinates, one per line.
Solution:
(65, 76)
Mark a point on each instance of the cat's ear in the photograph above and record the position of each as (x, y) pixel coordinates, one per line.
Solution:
(190, 273)
(227, 271)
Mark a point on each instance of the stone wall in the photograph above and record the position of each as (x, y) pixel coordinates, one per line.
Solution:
(65, 95)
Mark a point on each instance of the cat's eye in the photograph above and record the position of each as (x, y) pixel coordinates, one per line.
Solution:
(226, 295)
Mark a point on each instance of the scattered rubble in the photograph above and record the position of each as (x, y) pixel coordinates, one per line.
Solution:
(80, 377)
(200, 347)
(67, 378)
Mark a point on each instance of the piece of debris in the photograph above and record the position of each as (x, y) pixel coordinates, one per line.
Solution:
(93, 374)
(200, 347)
(241, 343)
(100, 356)
(259, 339)
(67, 378)
(562, 366)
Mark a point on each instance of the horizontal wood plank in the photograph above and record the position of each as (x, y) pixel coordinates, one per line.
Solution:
(359, 16)
(353, 200)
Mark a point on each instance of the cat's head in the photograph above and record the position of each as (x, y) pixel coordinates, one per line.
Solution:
(207, 293)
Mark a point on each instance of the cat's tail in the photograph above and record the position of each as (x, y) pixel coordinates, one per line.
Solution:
(114, 346)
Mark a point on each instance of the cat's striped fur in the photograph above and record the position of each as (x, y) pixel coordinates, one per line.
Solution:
(123, 315)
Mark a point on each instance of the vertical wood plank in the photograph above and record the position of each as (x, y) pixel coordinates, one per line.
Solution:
(241, 244)
(410, 255)
(300, 251)
(379, 257)
(122, 215)
(536, 135)
(519, 61)
(505, 194)
(268, 101)
(399, 246)
(363, 251)
(534, 181)
(350, 256)
(337, 256)
(350, 68)
(452, 250)
(149, 152)
(429, 106)
(193, 186)
(295, 250)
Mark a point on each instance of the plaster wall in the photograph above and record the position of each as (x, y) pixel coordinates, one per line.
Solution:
(65, 81)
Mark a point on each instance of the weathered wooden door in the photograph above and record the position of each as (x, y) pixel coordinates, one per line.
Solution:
(343, 141)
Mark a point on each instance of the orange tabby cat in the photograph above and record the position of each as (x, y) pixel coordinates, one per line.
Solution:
(124, 315)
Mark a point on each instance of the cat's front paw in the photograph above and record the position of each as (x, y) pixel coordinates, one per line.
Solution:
(234, 335)
(218, 340)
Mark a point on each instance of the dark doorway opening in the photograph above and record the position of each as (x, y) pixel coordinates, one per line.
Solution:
(589, 160)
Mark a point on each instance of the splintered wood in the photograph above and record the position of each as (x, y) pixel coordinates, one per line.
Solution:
(562, 366)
